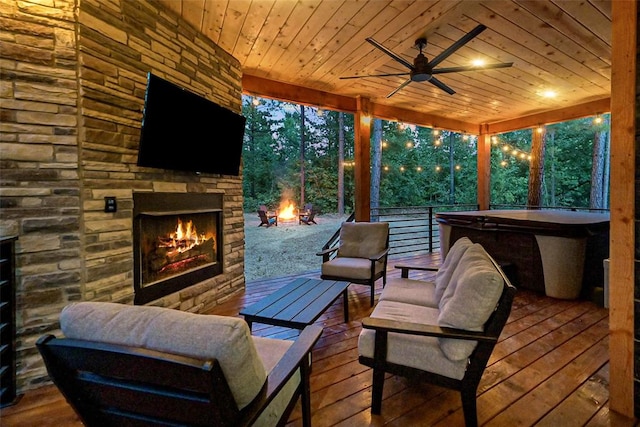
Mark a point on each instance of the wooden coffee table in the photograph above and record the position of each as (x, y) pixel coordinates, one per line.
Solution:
(297, 304)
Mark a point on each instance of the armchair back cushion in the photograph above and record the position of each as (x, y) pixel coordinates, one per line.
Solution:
(443, 276)
(469, 299)
(362, 239)
(227, 339)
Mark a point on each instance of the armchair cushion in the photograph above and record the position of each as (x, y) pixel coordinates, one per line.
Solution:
(226, 339)
(353, 268)
(419, 292)
(354, 235)
(469, 300)
(420, 352)
(443, 276)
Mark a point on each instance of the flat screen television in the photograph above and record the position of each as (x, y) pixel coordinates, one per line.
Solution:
(185, 131)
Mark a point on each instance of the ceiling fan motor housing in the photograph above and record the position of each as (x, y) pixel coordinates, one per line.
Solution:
(421, 70)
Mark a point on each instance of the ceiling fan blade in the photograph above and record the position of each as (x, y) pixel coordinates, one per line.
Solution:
(457, 45)
(471, 68)
(374, 75)
(441, 85)
(401, 60)
(399, 87)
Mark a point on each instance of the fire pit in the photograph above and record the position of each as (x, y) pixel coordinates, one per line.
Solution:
(287, 212)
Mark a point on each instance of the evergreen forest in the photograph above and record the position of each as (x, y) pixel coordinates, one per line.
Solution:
(302, 154)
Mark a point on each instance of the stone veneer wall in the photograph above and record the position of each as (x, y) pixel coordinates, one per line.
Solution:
(73, 77)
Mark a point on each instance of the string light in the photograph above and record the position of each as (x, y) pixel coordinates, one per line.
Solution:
(597, 119)
(255, 102)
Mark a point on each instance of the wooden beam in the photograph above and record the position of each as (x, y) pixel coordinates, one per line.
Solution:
(623, 200)
(484, 171)
(266, 88)
(600, 106)
(362, 153)
(390, 113)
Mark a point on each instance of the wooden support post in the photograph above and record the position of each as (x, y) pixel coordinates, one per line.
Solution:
(362, 124)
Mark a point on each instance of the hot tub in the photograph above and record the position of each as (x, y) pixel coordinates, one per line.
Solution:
(559, 253)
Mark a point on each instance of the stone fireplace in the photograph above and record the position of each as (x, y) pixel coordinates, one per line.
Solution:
(74, 95)
(177, 242)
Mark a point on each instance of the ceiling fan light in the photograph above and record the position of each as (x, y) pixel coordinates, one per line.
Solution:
(421, 77)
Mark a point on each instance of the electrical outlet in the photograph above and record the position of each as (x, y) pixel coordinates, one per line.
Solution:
(110, 204)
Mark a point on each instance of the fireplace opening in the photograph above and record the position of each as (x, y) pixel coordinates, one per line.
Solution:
(177, 242)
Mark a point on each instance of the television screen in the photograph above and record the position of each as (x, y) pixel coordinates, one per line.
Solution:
(185, 131)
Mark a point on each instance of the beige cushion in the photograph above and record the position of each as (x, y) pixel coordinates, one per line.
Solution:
(350, 268)
(469, 300)
(443, 276)
(362, 239)
(270, 352)
(417, 352)
(418, 292)
(224, 338)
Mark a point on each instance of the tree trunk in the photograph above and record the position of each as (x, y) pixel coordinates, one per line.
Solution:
(302, 149)
(341, 163)
(536, 168)
(607, 164)
(376, 163)
(596, 199)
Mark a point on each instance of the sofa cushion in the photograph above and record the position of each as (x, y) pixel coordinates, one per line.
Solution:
(417, 352)
(443, 276)
(418, 292)
(362, 239)
(469, 300)
(227, 339)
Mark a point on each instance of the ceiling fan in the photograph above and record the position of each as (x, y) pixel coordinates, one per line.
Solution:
(423, 70)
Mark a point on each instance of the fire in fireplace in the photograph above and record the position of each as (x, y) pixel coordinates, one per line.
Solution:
(177, 242)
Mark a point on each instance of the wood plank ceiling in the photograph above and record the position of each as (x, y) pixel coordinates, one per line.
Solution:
(561, 45)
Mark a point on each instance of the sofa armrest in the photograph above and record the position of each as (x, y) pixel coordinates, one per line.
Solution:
(407, 267)
(297, 356)
(385, 326)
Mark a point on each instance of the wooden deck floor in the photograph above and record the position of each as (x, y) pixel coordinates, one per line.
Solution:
(550, 368)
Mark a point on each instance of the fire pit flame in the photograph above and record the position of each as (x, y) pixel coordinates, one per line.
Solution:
(287, 213)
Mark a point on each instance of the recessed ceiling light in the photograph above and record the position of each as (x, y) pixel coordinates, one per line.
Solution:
(548, 93)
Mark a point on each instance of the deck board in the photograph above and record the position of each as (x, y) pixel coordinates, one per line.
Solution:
(550, 367)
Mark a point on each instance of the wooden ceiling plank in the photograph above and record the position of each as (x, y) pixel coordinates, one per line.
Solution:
(538, 52)
(365, 59)
(213, 19)
(192, 12)
(580, 48)
(343, 48)
(573, 29)
(591, 20)
(604, 6)
(308, 39)
(234, 17)
(249, 33)
(276, 19)
(326, 40)
(297, 19)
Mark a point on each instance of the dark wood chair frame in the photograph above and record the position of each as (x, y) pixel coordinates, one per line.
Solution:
(113, 385)
(371, 280)
(307, 215)
(468, 385)
(265, 218)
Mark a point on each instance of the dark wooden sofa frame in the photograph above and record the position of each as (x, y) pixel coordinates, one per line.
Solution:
(113, 385)
(468, 385)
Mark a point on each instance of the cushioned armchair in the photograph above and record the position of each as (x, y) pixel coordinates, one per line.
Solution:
(139, 365)
(441, 332)
(361, 255)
